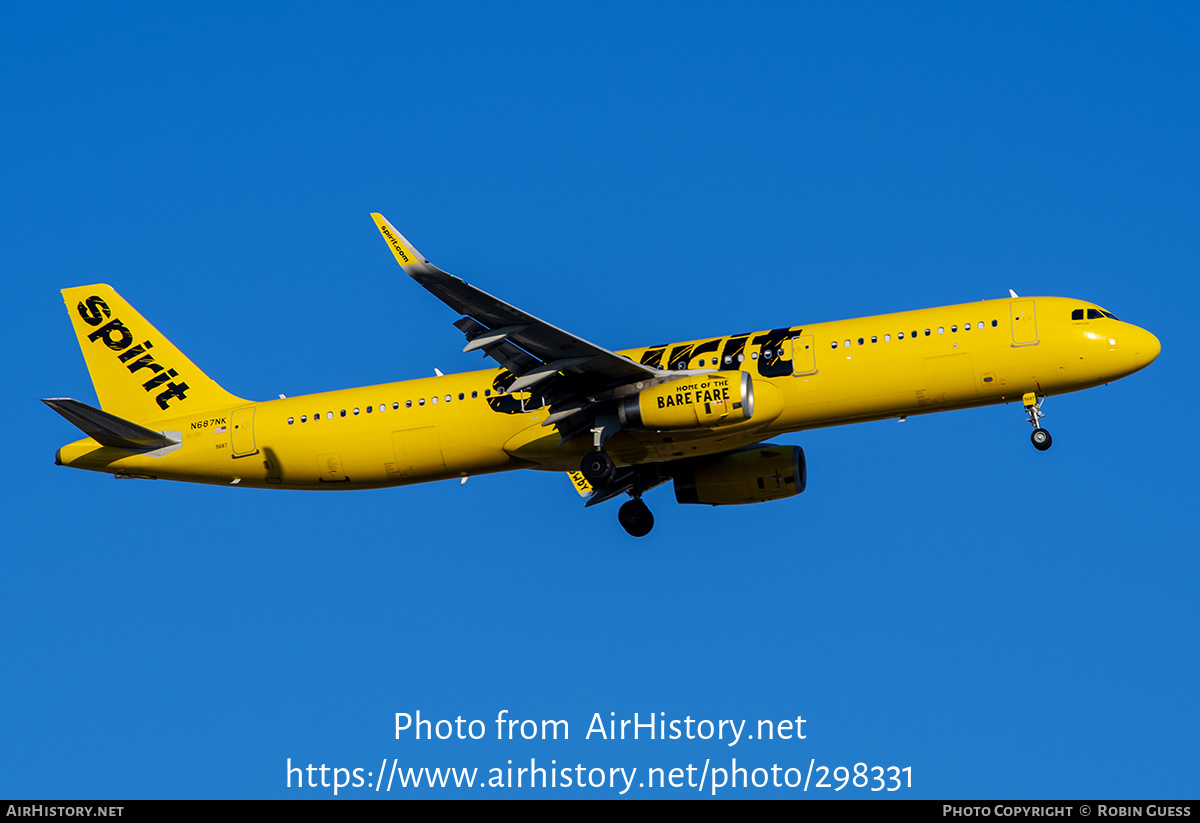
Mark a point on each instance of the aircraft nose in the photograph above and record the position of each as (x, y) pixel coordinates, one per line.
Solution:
(1145, 347)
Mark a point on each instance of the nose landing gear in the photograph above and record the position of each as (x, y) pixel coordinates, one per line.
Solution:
(1033, 410)
(1041, 439)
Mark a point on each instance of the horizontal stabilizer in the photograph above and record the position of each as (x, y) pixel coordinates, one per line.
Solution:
(108, 429)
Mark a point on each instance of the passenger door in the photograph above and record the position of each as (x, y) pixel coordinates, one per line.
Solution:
(804, 355)
(1024, 322)
(241, 431)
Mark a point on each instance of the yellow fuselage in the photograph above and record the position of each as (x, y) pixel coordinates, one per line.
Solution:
(804, 377)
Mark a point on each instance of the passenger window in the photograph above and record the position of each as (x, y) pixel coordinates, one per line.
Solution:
(291, 420)
(462, 396)
(941, 329)
(847, 344)
(900, 336)
(833, 345)
(303, 418)
(874, 339)
(927, 332)
(953, 329)
(754, 355)
(474, 394)
(447, 398)
(421, 402)
(396, 405)
(356, 410)
(914, 334)
(860, 341)
(343, 412)
(433, 400)
(328, 415)
(408, 404)
(487, 392)
(370, 409)
(887, 338)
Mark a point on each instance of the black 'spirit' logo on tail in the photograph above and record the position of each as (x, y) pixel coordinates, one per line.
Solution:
(117, 336)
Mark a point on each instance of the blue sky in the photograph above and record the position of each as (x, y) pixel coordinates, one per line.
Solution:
(1004, 622)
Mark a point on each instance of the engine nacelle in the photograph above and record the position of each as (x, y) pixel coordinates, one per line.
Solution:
(700, 402)
(763, 473)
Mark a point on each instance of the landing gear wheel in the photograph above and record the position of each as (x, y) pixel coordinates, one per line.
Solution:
(635, 518)
(598, 468)
(1041, 439)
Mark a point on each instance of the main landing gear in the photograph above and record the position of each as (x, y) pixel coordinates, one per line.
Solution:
(598, 468)
(1033, 411)
(636, 518)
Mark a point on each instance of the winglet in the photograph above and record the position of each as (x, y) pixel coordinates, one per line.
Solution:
(405, 254)
(581, 484)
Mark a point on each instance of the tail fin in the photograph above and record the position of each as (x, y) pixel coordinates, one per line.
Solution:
(138, 374)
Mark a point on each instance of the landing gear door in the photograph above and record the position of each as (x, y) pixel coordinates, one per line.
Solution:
(1024, 323)
(804, 355)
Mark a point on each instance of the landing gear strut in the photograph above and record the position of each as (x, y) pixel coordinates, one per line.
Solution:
(636, 518)
(1033, 410)
(597, 466)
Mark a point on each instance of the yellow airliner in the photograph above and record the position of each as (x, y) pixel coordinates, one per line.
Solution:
(696, 413)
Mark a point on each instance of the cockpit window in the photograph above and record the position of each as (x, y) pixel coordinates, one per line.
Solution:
(1093, 314)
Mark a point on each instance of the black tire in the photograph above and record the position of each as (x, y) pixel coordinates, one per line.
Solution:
(598, 468)
(636, 518)
(1041, 439)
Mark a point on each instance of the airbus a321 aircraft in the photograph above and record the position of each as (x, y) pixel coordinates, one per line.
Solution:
(620, 423)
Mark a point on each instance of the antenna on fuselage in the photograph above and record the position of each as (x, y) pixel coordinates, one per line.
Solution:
(1012, 293)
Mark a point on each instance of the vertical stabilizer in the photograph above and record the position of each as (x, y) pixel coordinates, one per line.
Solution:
(138, 373)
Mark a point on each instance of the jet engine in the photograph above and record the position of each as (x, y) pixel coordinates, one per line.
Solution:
(761, 473)
(703, 401)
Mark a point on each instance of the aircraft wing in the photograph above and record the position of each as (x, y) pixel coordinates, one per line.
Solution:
(554, 364)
